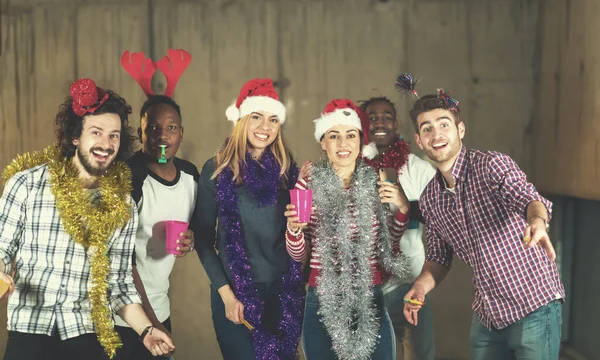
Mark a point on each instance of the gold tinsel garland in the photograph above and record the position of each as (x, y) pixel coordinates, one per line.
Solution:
(89, 225)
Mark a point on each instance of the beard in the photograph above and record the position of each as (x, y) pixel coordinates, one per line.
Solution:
(86, 162)
(454, 148)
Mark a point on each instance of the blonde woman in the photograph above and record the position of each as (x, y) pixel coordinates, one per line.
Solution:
(257, 293)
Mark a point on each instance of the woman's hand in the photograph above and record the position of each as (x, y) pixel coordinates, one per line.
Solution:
(390, 193)
(305, 169)
(292, 218)
(234, 309)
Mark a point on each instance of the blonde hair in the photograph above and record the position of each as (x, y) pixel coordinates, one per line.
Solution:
(234, 152)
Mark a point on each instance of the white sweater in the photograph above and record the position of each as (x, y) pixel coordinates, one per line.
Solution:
(414, 177)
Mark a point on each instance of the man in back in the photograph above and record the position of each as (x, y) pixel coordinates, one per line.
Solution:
(413, 174)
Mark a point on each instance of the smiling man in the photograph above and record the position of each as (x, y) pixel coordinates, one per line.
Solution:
(413, 174)
(67, 226)
(481, 208)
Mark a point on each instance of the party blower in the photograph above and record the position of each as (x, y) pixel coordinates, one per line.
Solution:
(163, 157)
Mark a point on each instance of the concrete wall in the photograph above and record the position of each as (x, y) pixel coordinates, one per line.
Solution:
(566, 130)
(486, 51)
(567, 116)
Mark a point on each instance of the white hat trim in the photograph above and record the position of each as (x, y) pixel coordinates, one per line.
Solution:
(370, 151)
(337, 117)
(256, 104)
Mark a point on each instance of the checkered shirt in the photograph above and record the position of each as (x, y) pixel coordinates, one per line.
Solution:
(482, 222)
(52, 272)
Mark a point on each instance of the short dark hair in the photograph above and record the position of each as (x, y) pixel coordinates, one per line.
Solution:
(428, 103)
(364, 104)
(159, 99)
(68, 125)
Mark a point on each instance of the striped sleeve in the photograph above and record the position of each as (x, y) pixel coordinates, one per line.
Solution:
(301, 184)
(296, 244)
(398, 226)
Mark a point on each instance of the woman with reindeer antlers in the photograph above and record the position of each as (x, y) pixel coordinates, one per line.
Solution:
(164, 188)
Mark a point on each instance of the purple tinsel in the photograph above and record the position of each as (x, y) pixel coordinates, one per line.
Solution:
(262, 181)
(261, 178)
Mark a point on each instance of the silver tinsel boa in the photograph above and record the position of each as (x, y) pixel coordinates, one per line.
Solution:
(345, 284)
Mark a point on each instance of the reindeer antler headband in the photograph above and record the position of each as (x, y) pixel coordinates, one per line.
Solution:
(142, 69)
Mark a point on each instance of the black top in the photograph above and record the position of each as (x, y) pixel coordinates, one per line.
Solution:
(263, 229)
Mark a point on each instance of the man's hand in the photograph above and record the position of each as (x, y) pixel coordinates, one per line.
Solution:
(162, 328)
(411, 310)
(158, 343)
(185, 243)
(535, 234)
(8, 283)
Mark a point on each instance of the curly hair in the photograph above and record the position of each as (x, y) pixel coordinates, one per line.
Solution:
(159, 99)
(68, 125)
(364, 104)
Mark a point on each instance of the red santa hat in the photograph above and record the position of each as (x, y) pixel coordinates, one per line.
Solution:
(256, 95)
(344, 112)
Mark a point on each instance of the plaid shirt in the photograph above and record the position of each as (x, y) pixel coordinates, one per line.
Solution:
(52, 272)
(482, 222)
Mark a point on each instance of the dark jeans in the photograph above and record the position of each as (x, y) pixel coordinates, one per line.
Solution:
(234, 340)
(133, 348)
(316, 341)
(22, 346)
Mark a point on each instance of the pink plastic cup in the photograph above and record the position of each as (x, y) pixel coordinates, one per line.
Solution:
(173, 229)
(302, 199)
